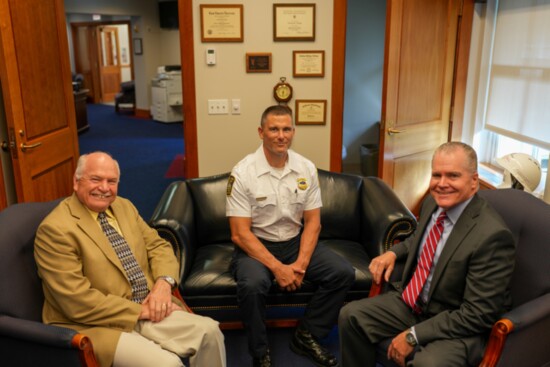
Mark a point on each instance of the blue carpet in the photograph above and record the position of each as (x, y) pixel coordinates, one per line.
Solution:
(143, 148)
(282, 356)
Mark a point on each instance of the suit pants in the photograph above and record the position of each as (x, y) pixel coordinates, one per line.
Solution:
(332, 274)
(363, 324)
(181, 334)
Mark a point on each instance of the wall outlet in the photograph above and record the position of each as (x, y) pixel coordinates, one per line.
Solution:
(218, 107)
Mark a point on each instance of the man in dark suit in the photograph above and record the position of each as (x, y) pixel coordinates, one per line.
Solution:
(466, 287)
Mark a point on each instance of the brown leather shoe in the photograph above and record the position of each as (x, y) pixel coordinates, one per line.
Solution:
(263, 361)
(305, 344)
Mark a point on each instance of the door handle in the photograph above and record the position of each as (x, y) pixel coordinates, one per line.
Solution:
(5, 146)
(392, 131)
(24, 147)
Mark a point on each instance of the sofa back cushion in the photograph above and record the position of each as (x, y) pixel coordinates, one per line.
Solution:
(208, 195)
(340, 214)
(341, 211)
(529, 220)
(20, 286)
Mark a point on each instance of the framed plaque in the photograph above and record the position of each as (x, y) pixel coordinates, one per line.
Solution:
(138, 46)
(258, 62)
(308, 63)
(294, 22)
(221, 23)
(311, 111)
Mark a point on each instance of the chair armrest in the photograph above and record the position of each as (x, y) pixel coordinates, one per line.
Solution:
(396, 275)
(525, 325)
(173, 219)
(37, 333)
(385, 218)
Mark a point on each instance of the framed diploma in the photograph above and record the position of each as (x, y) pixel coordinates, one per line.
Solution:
(221, 23)
(308, 63)
(294, 22)
(311, 111)
(258, 62)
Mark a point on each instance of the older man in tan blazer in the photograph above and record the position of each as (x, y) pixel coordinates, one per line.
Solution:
(87, 288)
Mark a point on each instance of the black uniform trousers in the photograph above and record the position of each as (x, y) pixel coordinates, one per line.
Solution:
(331, 273)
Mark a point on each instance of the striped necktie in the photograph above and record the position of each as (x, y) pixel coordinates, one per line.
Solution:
(413, 289)
(129, 262)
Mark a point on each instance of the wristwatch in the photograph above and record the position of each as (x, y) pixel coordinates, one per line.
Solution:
(411, 340)
(168, 280)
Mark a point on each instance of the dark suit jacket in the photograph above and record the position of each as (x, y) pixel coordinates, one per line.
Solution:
(470, 285)
(85, 286)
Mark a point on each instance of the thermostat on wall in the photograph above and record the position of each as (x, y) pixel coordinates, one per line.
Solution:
(210, 56)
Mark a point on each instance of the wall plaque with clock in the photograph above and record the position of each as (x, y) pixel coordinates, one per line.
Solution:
(282, 91)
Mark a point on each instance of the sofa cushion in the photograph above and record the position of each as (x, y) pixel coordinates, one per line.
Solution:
(341, 211)
(208, 195)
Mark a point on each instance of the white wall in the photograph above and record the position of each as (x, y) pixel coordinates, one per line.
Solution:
(225, 139)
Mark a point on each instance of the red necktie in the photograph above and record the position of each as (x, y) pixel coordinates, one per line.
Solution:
(413, 289)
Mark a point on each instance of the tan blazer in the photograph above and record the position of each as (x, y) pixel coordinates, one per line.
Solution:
(85, 285)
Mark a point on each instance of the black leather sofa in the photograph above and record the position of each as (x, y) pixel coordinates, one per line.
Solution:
(361, 217)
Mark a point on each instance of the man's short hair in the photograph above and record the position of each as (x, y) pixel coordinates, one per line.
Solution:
(471, 155)
(81, 164)
(276, 110)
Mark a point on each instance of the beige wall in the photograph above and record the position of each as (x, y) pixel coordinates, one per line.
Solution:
(225, 139)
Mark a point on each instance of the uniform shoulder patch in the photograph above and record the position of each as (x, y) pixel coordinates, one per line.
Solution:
(302, 183)
(230, 183)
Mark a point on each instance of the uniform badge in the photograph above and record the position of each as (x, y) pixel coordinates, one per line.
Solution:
(302, 183)
(230, 182)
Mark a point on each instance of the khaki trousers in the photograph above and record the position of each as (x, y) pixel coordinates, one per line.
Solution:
(181, 334)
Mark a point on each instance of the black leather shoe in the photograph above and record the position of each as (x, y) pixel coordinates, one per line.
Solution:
(305, 344)
(263, 361)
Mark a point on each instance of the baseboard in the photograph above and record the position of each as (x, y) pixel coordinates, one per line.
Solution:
(146, 114)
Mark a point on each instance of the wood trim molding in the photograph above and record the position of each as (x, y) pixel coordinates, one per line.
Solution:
(338, 75)
(191, 166)
(461, 70)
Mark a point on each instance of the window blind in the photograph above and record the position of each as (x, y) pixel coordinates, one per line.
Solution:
(518, 96)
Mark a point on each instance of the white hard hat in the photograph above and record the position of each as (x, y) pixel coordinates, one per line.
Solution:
(523, 167)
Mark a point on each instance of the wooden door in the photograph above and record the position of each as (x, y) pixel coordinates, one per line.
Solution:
(86, 58)
(420, 50)
(38, 98)
(109, 68)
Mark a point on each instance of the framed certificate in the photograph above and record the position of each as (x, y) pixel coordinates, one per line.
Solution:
(221, 23)
(258, 62)
(294, 22)
(308, 63)
(311, 111)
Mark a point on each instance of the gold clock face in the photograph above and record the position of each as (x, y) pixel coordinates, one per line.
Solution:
(283, 92)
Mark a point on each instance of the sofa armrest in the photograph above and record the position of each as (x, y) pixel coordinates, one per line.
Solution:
(385, 219)
(43, 342)
(518, 333)
(173, 219)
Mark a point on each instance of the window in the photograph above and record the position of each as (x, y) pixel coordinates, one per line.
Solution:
(510, 92)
